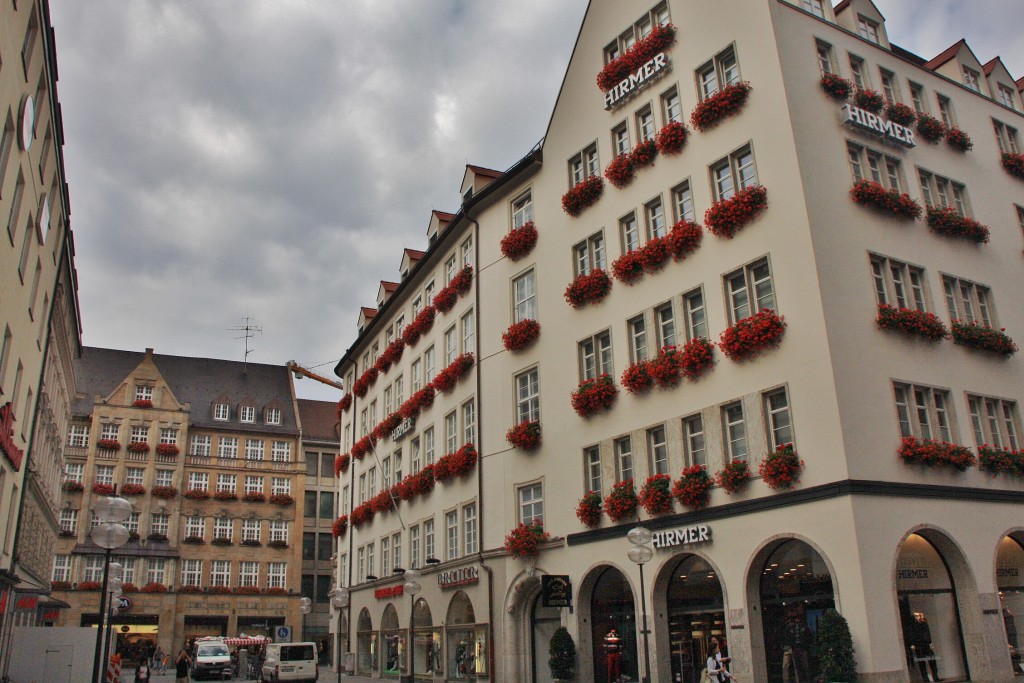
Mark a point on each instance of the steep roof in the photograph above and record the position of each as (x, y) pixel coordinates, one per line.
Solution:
(480, 170)
(319, 420)
(946, 55)
(199, 381)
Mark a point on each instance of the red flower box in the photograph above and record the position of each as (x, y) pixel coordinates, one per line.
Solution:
(392, 354)
(620, 170)
(683, 239)
(340, 526)
(165, 492)
(614, 72)
(363, 446)
(582, 195)
(108, 444)
(636, 379)
(644, 153)
(254, 497)
(418, 402)
(781, 468)
(910, 321)
(520, 335)
(457, 464)
(168, 449)
(142, 403)
(693, 489)
(420, 325)
(196, 494)
(672, 138)
(344, 404)
(869, 100)
(282, 499)
(194, 540)
(628, 268)
(932, 453)
(525, 436)
(525, 539)
(154, 587)
(586, 289)
(727, 217)
(386, 426)
(959, 140)
(133, 490)
(382, 502)
(655, 495)
(726, 102)
(594, 395)
(361, 515)
(225, 495)
(341, 464)
(277, 591)
(519, 242)
(750, 336)
(89, 585)
(220, 590)
(422, 482)
(60, 585)
(588, 510)
(247, 590)
(836, 87)
(446, 380)
(221, 540)
(733, 476)
(365, 381)
(129, 588)
(983, 338)
(998, 461)
(889, 202)
(1014, 164)
(698, 357)
(897, 112)
(74, 486)
(950, 223)
(138, 447)
(462, 280)
(445, 300)
(930, 128)
(621, 503)
(103, 489)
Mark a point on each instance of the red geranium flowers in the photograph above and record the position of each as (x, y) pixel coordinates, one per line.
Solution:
(582, 195)
(889, 202)
(836, 87)
(750, 336)
(594, 395)
(950, 223)
(932, 453)
(726, 217)
(911, 321)
(781, 468)
(588, 289)
(525, 435)
(618, 69)
(520, 335)
(726, 102)
(519, 242)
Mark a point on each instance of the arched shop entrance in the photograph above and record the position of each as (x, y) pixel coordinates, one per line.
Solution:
(392, 642)
(1010, 581)
(466, 640)
(366, 645)
(695, 612)
(613, 626)
(796, 589)
(427, 642)
(544, 621)
(929, 615)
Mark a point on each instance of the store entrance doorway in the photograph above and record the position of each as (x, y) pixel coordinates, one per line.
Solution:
(696, 613)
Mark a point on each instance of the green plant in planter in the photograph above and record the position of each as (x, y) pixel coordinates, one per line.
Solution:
(563, 655)
(835, 649)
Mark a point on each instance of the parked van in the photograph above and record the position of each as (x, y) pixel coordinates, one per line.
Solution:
(212, 660)
(290, 662)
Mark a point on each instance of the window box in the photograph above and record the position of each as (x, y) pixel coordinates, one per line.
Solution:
(998, 461)
(225, 495)
(525, 539)
(836, 87)
(60, 585)
(869, 100)
(386, 426)
(253, 497)
(277, 591)
(196, 494)
(64, 533)
(897, 112)
(138, 447)
(219, 590)
(930, 128)
(930, 453)
(588, 510)
(727, 217)
(422, 482)
(693, 489)
(108, 444)
(418, 402)
(620, 170)
(582, 195)
(666, 370)
(142, 403)
(959, 140)
(446, 380)
(672, 138)
(73, 486)
(251, 542)
(734, 476)
(157, 538)
(247, 590)
(726, 102)
(521, 335)
(344, 404)
(750, 336)
(622, 502)
(781, 468)
(644, 154)
(949, 223)
(659, 39)
(655, 495)
(383, 502)
(420, 325)
(221, 540)
(194, 540)
(165, 492)
(683, 239)
(888, 202)
(588, 289)
(524, 436)
(340, 526)
(457, 464)
(133, 490)
(1014, 164)
(167, 449)
(392, 354)
(362, 447)
(636, 379)
(129, 588)
(190, 589)
(983, 338)
(103, 489)
(282, 499)
(462, 281)
(361, 514)
(277, 544)
(911, 322)
(89, 585)
(594, 395)
(364, 382)
(698, 357)
(519, 242)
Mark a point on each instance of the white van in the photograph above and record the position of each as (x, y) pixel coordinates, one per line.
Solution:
(290, 662)
(212, 661)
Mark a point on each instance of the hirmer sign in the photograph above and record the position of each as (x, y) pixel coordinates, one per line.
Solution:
(698, 533)
(876, 125)
(636, 82)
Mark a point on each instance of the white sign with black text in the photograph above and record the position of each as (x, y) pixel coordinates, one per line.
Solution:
(873, 123)
(691, 535)
(636, 82)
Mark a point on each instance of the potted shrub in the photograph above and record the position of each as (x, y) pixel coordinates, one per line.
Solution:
(562, 651)
(834, 648)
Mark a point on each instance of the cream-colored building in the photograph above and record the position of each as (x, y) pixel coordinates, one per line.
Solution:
(923, 562)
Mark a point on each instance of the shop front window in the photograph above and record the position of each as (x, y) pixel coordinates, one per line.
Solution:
(1010, 580)
(613, 628)
(796, 589)
(426, 643)
(393, 643)
(366, 645)
(932, 639)
(696, 614)
(466, 640)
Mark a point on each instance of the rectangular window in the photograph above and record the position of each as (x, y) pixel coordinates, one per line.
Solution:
(531, 503)
(221, 411)
(279, 530)
(694, 314)
(693, 440)
(467, 252)
(620, 139)
(945, 111)
(528, 396)
(857, 69)
(396, 551)
(280, 486)
(105, 474)
(682, 202)
(451, 432)
(428, 539)
(139, 435)
(522, 210)
(61, 568)
(469, 422)
(451, 525)
(246, 414)
(226, 483)
(1007, 138)
(524, 296)
(890, 88)
(273, 416)
(468, 333)
(227, 447)
(592, 468)
(867, 29)
(250, 529)
(222, 527)
(657, 449)
(589, 254)
(253, 484)
(996, 422)
(780, 421)
(735, 431)
(469, 531)
(972, 79)
(654, 214)
(164, 478)
(78, 436)
(371, 564)
(191, 572)
(159, 523)
(428, 446)
(134, 475)
(416, 375)
(277, 575)
(645, 124)
(281, 451)
(826, 62)
(917, 97)
(451, 346)
(68, 520)
(898, 284)
(666, 325)
(814, 7)
(143, 393)
(595, 356)
(1005, 96)
(583, 165)
(414, 547)
(637, 328)
(671, 107)
(429, 364)
(923, 412)
(248, 573)
(942, 192)
(629, 232)
(968, 302)
(156, 570)
(74, 472)
(254, 449)
(198, 481)
(385, 555)
(721, 71)
(623, 459)
(361, 565)
(201, 445)
(749, 290)
(734, 173)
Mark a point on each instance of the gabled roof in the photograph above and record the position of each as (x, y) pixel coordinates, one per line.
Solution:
(319, 420)
(946, 55)
(480, 170)
(1020, 84)
(198, 381)
(991, 66)
(388, 287)
(443, 215)
(846, 3)
(367, 312)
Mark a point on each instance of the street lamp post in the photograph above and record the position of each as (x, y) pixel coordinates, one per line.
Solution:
(109, 534)
(640, 554)
(340, 601)
(305, 606)
(114, 586)
(412, 587)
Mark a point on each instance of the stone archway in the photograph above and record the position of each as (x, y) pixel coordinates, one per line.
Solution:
(366, 645)
(1010, 584)
(516, 649)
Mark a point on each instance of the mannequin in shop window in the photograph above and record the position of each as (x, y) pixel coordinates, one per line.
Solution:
(613, 652)
(434, 657)
(796, 641)
(462, 655)
(921, 647)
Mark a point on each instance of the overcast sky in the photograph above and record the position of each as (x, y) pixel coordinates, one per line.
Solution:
(271, 159)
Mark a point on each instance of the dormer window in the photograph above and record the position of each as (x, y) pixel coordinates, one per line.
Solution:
(143, 393)
(972, 79)
(868, 29)
(815, 7)
(1006, 96)
(273, 416)
(246, 414)
(221, 411)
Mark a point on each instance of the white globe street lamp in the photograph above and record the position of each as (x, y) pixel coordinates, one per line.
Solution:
(109, 534)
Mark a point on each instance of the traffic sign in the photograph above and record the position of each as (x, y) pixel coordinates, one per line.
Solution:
(283, 634)
(123, 602)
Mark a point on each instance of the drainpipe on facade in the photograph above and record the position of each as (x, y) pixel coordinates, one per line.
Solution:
(350, 534)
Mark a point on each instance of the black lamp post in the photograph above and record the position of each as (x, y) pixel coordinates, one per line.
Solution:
(640, 554)
(340, 601)
(412, 587)
(109, 534)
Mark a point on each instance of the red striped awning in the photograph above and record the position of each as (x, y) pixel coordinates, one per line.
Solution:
(245, 641)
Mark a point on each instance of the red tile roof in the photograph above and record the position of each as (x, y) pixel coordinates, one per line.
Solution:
(414, 254)
(389, 287)
(990, 67)
(443, 215)
(841, 6)
(319, 419)
(367, 312)
(1020, 84)
(945, 55)
(480, 170)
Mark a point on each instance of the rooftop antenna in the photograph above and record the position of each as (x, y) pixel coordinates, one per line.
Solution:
(250, 331)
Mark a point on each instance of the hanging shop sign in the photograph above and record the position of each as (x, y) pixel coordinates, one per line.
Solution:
(27, 603)
(652, 69)
(691, 535)
(14, 454)
(464, 576)
(389, 592)
(556, 590)
(862, 120)
(404, 427)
